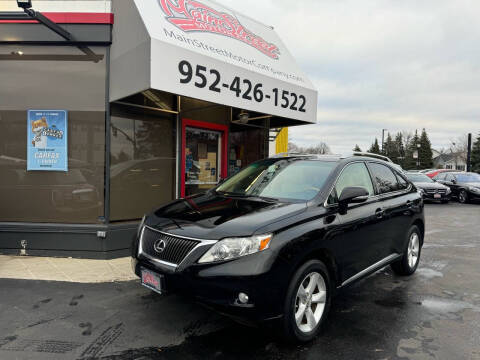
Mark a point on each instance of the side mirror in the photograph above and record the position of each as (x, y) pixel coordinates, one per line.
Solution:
(454, 181)
(352, 195)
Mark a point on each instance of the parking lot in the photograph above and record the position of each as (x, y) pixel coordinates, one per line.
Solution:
(433, 315)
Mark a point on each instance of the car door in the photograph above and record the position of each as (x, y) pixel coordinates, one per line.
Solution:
(395, 203)
(451, 182)
(354, 244)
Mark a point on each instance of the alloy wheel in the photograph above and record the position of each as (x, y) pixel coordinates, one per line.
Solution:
(413, 250)
(462, 197)
(310, 302)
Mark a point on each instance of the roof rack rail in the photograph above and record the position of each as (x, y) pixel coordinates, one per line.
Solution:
(377, 156)
(296, 154)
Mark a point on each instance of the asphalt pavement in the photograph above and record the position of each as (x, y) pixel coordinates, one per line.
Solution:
(434, 314)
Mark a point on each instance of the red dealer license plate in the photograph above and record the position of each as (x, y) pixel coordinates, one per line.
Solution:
(152, 280)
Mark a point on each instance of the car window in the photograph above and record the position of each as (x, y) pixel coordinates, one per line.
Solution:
(354, 175)
(402, 183)
(449, 177)
(384, 179)
(468, 177)
(294, 179)
(439, 176)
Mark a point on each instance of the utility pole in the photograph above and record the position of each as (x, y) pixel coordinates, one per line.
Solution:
(383, 137)
(469, 153)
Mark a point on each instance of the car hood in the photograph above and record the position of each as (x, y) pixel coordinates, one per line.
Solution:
(213, 217)
(474, 184)
(427, 185)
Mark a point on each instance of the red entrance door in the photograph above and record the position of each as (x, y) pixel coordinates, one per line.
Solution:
(204, 155)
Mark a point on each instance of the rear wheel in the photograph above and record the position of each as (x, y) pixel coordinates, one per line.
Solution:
(307, 302)
(463, 196)
(411, 255)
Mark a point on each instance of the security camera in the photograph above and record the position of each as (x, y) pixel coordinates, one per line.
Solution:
(25, 4)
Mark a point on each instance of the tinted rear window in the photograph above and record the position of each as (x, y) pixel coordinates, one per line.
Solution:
(383, 178)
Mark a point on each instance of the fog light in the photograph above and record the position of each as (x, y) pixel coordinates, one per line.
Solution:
(243, 298)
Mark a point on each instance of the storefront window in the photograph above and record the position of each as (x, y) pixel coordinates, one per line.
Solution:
(247, 144)
(52, 78)
(142, 162)
(202, 159)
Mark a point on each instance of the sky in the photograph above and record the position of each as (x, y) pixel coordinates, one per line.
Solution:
(381, 64)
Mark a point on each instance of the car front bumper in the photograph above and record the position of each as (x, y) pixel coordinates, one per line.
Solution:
(216, 287)
(431, 197)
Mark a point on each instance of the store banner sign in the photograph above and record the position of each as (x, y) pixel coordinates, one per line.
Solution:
(47, 140)
(218, 55)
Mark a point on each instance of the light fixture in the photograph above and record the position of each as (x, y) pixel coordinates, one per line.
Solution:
(18, 52)
(25, 4)
(243, 118)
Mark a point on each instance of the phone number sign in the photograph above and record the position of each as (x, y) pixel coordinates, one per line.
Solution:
(47, 140)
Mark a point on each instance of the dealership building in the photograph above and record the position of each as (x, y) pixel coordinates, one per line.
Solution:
(109, 109)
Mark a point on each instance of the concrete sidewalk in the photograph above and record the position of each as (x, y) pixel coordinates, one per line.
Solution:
(65, 269)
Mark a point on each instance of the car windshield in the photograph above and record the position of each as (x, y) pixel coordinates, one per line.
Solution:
(295, 179)
(469, 177)
(419, 178)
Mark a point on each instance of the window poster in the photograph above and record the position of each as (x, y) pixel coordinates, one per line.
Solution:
(47, 140)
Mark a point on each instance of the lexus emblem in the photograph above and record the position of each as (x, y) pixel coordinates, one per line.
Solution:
(159, 245)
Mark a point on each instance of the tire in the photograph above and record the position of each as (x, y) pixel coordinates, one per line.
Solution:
(308, 326)
(463, 197)
(407, 265)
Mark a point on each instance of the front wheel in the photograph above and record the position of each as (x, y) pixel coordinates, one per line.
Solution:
(463, 197)
(411, 255)
(307, 302)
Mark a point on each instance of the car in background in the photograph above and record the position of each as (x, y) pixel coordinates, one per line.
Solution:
(430, 189)
(431, 174)
(465, 186)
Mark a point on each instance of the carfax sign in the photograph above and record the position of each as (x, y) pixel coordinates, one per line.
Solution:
(47, 140)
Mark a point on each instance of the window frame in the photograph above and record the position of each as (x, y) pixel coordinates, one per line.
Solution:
(394, 171)
(333, 187)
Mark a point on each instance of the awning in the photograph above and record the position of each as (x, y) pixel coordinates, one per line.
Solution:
(203, 50)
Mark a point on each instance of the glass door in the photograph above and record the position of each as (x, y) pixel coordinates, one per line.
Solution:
(204, 158)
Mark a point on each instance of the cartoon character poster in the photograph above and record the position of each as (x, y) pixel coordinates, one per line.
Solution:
(47, 140)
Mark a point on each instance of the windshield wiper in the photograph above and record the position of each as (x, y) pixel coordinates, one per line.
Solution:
(249, 196)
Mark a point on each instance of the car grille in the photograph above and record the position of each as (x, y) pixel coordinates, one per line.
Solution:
(435, 191)
(176, 248)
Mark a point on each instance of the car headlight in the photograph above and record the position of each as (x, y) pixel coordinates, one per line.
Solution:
(448, 190)
(421, 191)
(231, 248)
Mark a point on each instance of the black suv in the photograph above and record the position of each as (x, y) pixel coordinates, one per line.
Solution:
(275, 241)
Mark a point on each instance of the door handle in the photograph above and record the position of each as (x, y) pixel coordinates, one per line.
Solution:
(379, 213)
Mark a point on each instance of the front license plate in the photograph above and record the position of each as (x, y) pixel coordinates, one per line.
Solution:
(437, 196)
(152, 280)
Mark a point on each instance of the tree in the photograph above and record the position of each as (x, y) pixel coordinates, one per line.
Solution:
(459, 147)
(425, 153)
(390, 148)
(321, 148)
(357, 148)
(476, 155)
(411, 152)
(400, 149)
(292, 147)
(374, 149)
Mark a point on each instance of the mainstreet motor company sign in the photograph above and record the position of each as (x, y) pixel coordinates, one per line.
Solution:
(189, 15)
